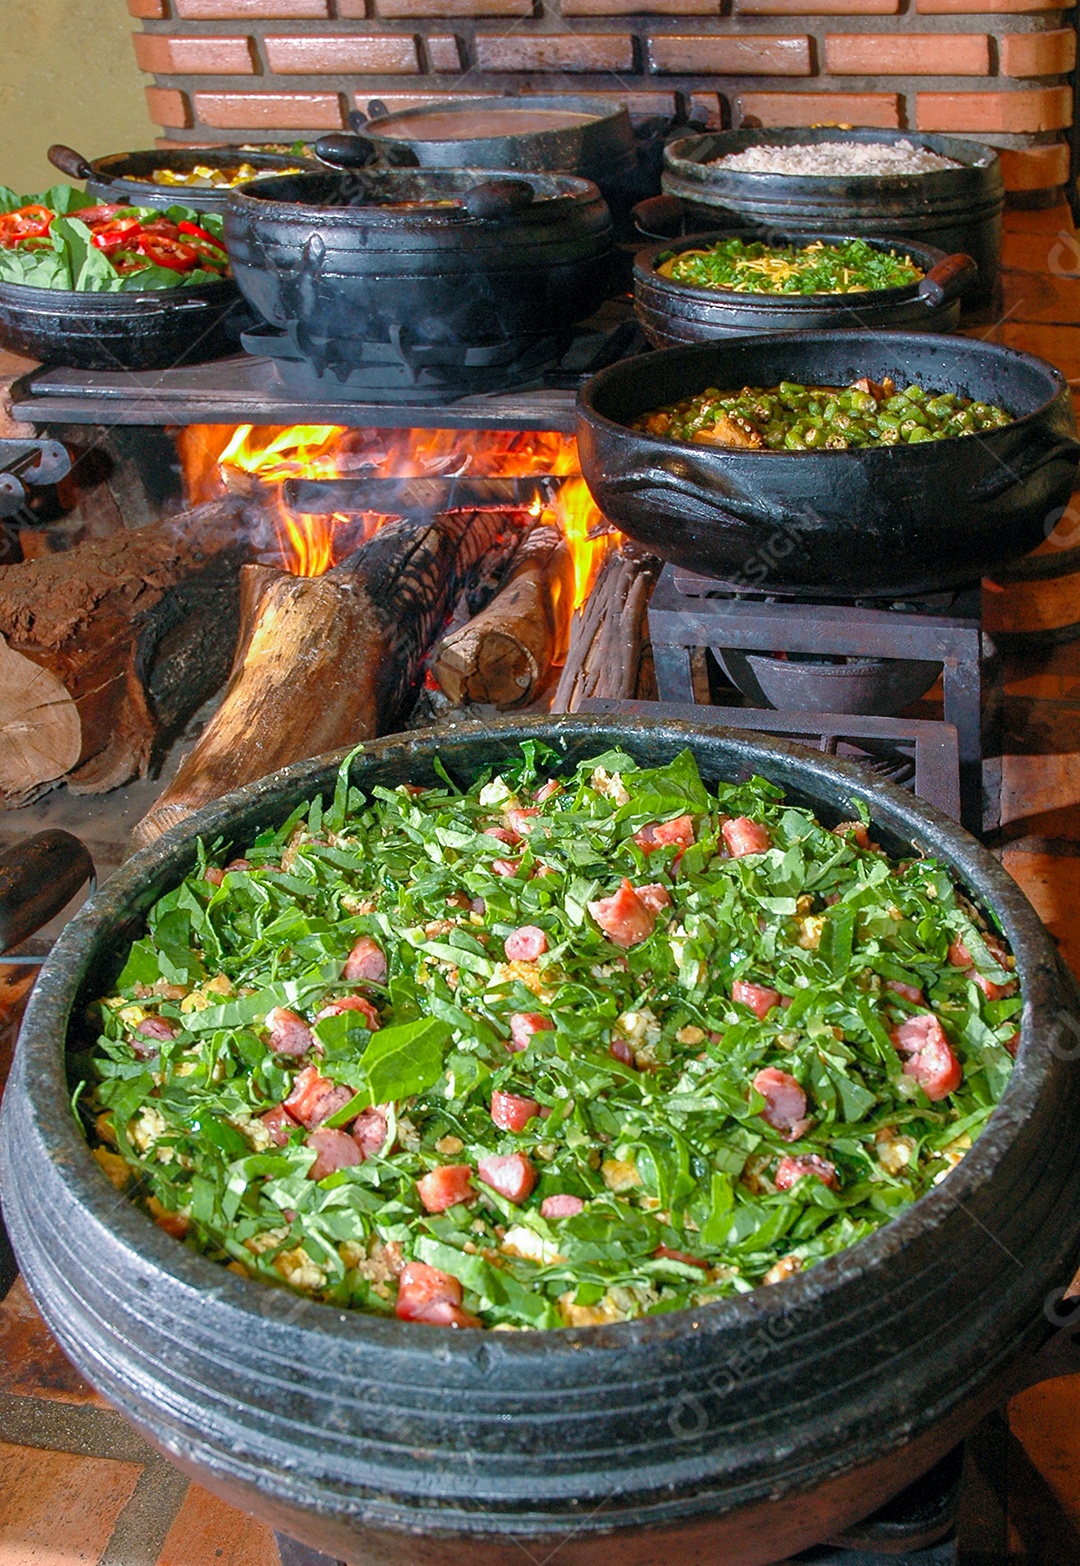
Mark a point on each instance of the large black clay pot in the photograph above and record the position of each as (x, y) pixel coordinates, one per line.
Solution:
(739, 1433)
(870, 522)
(435, 281)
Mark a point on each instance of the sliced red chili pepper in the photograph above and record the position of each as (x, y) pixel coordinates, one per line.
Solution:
(170, 253)
(200, 233)
(30, 222)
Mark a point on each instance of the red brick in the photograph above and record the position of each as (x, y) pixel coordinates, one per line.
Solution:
(1037, 54)
(168, 107)
(758, 55)
(440, 7)
(342, 54)
(555, 52)
(639, 7)
(251, 10)
(907, 54)
(989, 7)
(1035, 109)
(270, 110)
(817, 7)
(710, 104)
(822, 108)
(154, 10)
(444, 52)
(642, 103)
(216, 56)
(207, 1532)
(1034, 168)
(59, 1507)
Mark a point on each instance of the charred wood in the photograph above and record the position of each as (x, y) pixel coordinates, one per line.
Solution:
(609, 636)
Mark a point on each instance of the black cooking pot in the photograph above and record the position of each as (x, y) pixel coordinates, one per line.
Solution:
(464, 296)
(957, 210)
(877, 522)
(673, 313)
(741, 1432)
(155, 329)
(127, 176)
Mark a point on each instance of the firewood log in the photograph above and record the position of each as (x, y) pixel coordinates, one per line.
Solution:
(325, 661)
(608, 637)
(84, 639)
(505, 653)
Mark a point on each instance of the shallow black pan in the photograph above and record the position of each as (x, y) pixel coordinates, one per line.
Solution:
(126, 176)
(881, 521)
(152, 330)
(673, 313)
(742, 1432)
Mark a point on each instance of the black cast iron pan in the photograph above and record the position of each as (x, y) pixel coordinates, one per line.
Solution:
(127, 176)
(876, 522)
(742, 1432)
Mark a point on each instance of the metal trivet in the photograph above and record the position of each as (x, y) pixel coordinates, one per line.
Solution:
(913, 1529)
(688, 611)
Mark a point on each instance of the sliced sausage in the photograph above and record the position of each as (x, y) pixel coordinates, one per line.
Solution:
(513, 1175)
(446, 1186)
(367, 960)
(525, 944)
(334, 1149)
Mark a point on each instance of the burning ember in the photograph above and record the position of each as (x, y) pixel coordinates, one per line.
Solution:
(215, 458)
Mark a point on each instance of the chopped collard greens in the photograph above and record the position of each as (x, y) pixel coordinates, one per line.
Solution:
(544, 1052)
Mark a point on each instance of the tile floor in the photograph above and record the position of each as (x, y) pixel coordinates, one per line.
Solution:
(78, 1487)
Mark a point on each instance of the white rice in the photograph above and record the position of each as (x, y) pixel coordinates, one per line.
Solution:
(830, 158)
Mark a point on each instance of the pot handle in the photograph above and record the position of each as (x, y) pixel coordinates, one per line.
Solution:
(659, 217)
(948, 280)
(39, 877)
(73, 164)
(699, 502)
(1026, 463)
(346, 152)
(499, 198)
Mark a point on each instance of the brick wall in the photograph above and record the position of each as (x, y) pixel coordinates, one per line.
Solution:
(998, 70)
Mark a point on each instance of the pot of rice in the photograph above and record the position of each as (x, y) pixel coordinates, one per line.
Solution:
(935, 190)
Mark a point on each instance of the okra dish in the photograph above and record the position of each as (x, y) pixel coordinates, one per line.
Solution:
(742, 267)
(791, 417)
(547, 1052)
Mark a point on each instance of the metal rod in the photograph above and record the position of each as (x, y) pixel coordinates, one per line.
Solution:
(406, 497)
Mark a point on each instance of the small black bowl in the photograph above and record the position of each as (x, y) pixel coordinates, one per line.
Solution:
(674, 313)
(151, 330)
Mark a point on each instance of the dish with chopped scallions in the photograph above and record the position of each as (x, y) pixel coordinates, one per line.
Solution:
(549, 1051)
(741, 266)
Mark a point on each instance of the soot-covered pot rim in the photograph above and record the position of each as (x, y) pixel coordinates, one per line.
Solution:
(910, 340)
(257, 198)
(90, 933)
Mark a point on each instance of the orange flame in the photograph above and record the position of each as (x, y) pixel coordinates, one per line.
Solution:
(213, 456)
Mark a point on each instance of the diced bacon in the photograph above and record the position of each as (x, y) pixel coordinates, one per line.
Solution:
(176, 1224)
(910, 992)
(213, 875)
(446, 1186)
(785, 1102)
(543, 870)
(759, 997)
(504, 867)
(504, 835)
(367, 960)
(237, 866)
(525, 944)
(654, 896)
(663, 834)
(341, 1003)
(512, 1175)
(1012, 1043)
(519, 819)
(457, 900)
(523, 1024)
(289, 1034)
(561, 1205)
(157, 1028)
(680, 1256)
(621, 1050)
(368, 1131)
(960, 957)
(334, 1149)
(511, 1113)
(744, 836)
(547, 791)
(623, 917)
(280, 1124)
(856, 830)
(789, 1170)
(930, 1061)
(994, 991)
(478, 906)
(314, 1098)
(415, 789)
(433, 1297)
